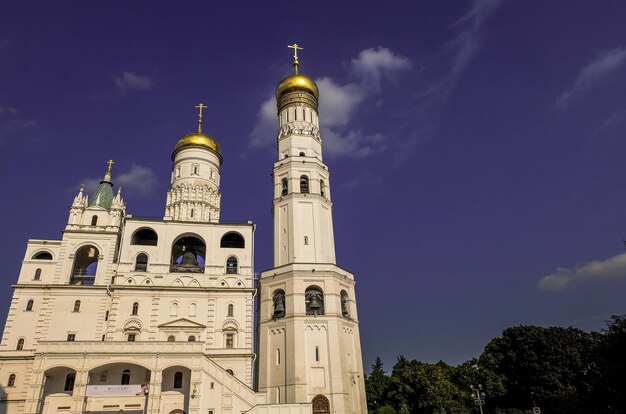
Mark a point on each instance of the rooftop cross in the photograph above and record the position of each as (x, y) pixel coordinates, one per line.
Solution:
(110, 162)
(200, 106)
(295, 48)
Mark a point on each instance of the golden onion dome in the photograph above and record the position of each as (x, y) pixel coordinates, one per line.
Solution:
(198, 139)
(297, 82)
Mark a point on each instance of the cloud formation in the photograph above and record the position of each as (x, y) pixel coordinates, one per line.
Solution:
(138, 180)
(598, 72)
(611, 123)
(11, 124)
(339, 103)
(596, 270)
(130, 81)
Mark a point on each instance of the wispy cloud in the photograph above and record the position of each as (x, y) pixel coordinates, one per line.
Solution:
(339, 103)
(441, 74)
(598, 72)
(596, 270)
(138, 180)
(130, 81)
(11, 124)
(612, 122)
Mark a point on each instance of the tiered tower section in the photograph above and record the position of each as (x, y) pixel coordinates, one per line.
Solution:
(309, 346)
(195, 192)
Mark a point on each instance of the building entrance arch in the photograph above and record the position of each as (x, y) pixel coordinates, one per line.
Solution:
(320, 405)
(177, 411)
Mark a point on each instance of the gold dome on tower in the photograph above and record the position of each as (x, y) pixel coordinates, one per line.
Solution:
(296, 82)
(199, 139)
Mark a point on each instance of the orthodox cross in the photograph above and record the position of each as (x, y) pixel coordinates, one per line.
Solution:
(200, 106)
(110, 162)
(295, 48)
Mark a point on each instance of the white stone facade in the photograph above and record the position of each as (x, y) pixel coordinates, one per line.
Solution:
(122, 301)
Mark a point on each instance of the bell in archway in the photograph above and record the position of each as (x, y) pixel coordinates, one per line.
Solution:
(315, 303)
(279, 305)
(189, 259)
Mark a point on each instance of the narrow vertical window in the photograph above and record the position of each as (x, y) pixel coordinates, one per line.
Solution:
(306, 240)
(230, 340)
(322, 188)
(94, 220)
(277, 356)
(304, 184)
(37, 274)
(20, 344)
(77, 306)
(11, 382)
(141, 262)
(285, 185)
(317, 354)
(231, 309)
(106, 316)
(29, 305)
(231, 266)
(192, 309)
(69, 382)
(178, 380)
(125, 377)
(191, 213)
(135, 309)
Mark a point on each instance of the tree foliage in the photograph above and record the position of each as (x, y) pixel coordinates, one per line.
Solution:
(561, 370)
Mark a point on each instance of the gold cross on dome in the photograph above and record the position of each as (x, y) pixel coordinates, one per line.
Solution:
(295, 48)
(110, 162)
(200, 106)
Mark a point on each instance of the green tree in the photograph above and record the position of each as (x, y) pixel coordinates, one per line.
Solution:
(376, 386)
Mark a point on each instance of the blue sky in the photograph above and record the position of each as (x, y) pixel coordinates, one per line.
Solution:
(475, 147)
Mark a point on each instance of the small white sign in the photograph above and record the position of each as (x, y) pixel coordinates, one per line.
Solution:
(129, 389)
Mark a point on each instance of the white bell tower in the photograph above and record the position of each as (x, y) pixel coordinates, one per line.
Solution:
(309, 346)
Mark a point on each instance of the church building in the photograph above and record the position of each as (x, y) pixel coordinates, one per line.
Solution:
(127, 314)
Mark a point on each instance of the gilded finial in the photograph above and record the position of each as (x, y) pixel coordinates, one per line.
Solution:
(295, 48)
(110, 163)
(200, 106)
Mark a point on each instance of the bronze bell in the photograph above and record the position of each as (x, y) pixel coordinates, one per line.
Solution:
(279, 306)
(316, 302)
(189, 259)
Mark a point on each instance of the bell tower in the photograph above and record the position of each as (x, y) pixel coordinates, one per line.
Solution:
(309, 346)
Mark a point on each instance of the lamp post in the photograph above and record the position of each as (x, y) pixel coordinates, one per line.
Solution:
(478, 396)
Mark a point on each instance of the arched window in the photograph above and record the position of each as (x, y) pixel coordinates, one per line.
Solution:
(192, 309)
(69, 382)
(188, 253)
(317, 354)
(191, 338)
(232, 240)
(144, 237)
(141, 262)
(135, 308)
(29, 305)
(20, 344)
(85, 266)
(279, 304)
(320, 405)
(231, 265)
(174, 309)
(42, 256)
(322, 188)
(304, 184)
(11, 382)
(302, 154)
(191, 213)
(285, 187)
(94, 220)
(230, 371)
(178, 379)
(125, 377)
(344, 304)
(231, 309)
(76, 306)
(314, 301)
(171, 338)
(37, 274)
(306, 240)
(277, 356)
